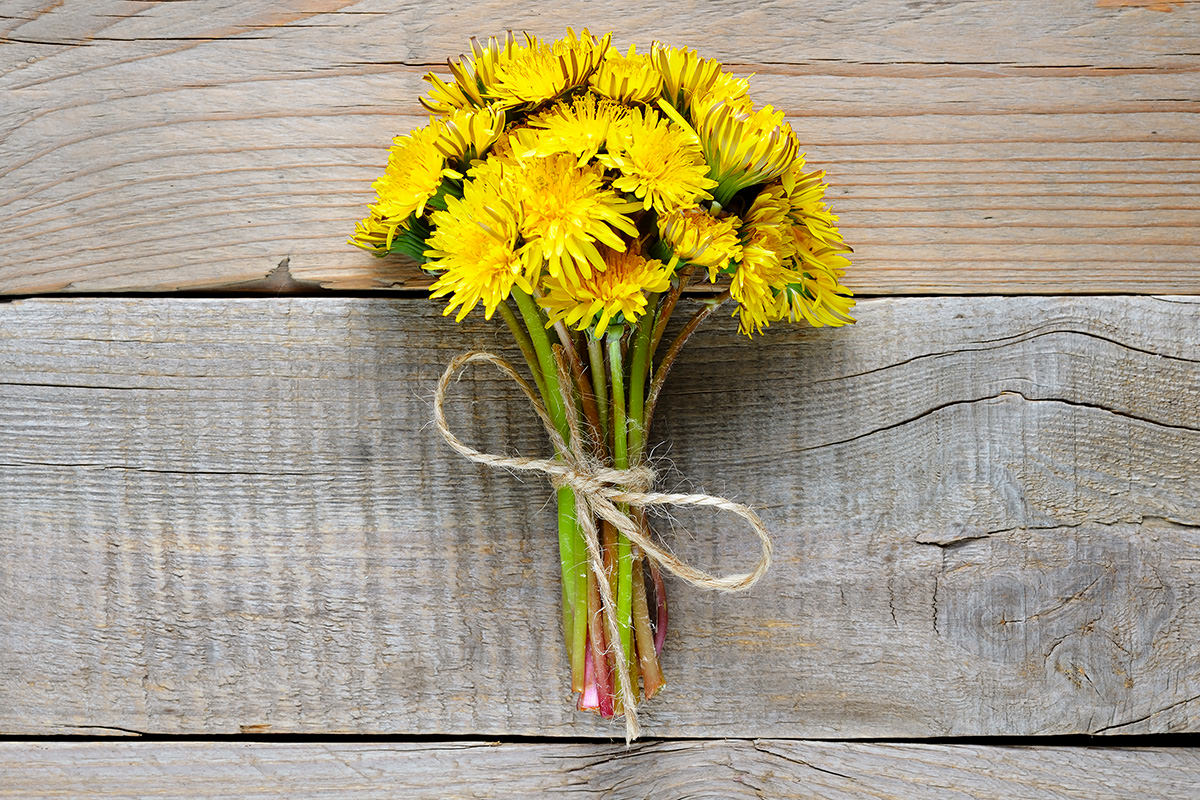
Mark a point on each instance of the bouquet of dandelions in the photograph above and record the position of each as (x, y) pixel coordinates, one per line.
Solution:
(578, 191)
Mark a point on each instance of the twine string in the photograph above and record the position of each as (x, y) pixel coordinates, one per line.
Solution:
(598, 489)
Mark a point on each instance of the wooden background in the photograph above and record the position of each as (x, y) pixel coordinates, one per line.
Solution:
(229, 529)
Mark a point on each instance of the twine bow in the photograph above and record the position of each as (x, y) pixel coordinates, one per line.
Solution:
(598, 489)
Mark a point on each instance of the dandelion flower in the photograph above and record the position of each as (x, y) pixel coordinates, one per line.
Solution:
(472, 75)
(685, 74)
(566, 210)
(371, 234)
(616, 294)
(474, 246)
(728, 89)
(764, 272)
(537, 72)
(743, 147)
(806, 195)
(757, 287)
(660, 163)
(580, 128)
(414, 173)
(629, 78)
(699, 238)
(380, 238)
(767, 224)
(466, 134)
(819, 298)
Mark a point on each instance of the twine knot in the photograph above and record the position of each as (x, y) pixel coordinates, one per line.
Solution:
(594, 478)
(598, 489)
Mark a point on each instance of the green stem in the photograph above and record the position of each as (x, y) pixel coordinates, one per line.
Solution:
(522, 340)
(624, 550)
(570, 539)
(599, 382)
(567, 560)
(620, 443)
(637, 380)
(566, 356)
(545, 356)
(625, 607)
(564, 542)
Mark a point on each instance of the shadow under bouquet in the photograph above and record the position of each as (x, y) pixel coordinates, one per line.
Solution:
(577, 192)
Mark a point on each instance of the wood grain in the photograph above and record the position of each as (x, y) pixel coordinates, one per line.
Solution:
(721, 770)
(227, 515)
(1012, 148)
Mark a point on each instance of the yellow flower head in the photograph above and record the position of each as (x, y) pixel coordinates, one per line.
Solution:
(698, 237)
(728, 89)
(616, 293)
(767, 224)
(380, 238)
(743, 147)
(472, 75)
(629, 78)
(414, 172)
(536, 73)
(685, 74)
(785, 272)
(764, 272)
(502, 150)
(474, 246)
(371, 234)
(756, 286)
(659, 162)
(580, 128)
(566, 210)
(818, 297)
(806, 195)
(466, 134)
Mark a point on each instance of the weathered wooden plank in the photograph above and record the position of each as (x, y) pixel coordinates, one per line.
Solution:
(724, 770)
(974, 148)
(234, 514)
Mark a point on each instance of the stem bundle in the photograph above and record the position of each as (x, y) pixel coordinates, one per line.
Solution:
(615, 390)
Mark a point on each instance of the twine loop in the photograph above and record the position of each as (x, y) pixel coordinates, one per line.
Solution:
(598, 489)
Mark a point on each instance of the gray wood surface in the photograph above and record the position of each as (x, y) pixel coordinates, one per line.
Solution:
(721, 770)
(986, 147)
(233, 515)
